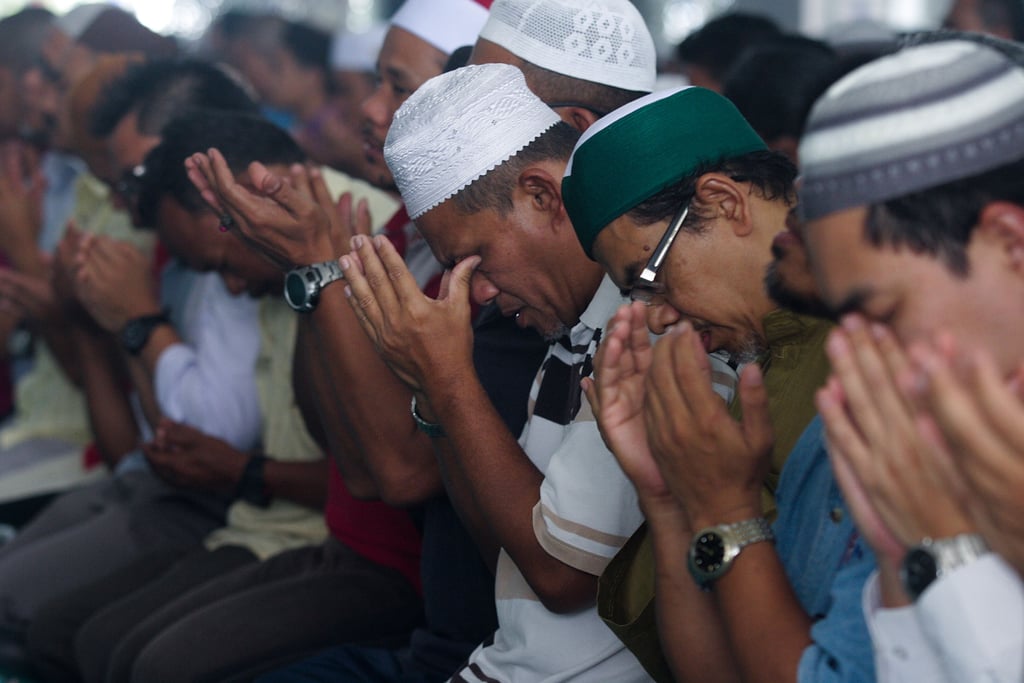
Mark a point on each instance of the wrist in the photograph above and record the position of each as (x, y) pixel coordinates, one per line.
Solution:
(665, 513)
(714, 514)
(447, 386)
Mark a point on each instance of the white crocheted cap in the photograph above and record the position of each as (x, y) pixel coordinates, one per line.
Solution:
(458, 126)
(445, 24)
(357, 51)
(603, 41)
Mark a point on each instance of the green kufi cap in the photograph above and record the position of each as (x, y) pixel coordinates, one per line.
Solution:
(646, 146)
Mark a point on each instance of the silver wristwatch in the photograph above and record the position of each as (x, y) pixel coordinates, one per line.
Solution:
(302, 286)
(925, 563)
(714, 549)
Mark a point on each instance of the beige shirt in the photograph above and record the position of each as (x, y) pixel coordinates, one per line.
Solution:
(282, 525)
(46, 403)
(381, 204)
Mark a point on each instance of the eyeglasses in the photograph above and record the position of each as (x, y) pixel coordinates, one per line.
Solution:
(645, 289)
(129, 185)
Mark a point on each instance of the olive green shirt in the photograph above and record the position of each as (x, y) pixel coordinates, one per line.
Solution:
(795, 366)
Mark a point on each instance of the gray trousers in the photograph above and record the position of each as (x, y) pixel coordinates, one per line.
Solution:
(89, 532)
(221, 615)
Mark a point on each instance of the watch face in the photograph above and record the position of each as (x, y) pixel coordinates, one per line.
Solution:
(708, 552)
(295, 289)
(919, 571)
(134, 335)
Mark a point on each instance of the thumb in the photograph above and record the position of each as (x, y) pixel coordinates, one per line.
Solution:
(455, 284)
(757, 422)
(268, 183)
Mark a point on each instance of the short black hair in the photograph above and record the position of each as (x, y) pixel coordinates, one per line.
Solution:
(552, 87)
(310, 46)
(21, 37)
(242, 138)
(717, 44)
(161, 89)
(774, 84)
(939, 221)
(494, 190)
(771, 174)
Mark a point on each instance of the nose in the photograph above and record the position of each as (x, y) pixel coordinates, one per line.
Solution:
(375, 109)
(482, 290)
(660, 316)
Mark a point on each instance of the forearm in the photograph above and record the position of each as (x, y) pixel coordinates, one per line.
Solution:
(304, 483)
(143, 383)
(318, 405)
(110, 413)
(505, 484)
(767, 627)
(692, 634)
(463, 499)
(54, 333)
(371, 407)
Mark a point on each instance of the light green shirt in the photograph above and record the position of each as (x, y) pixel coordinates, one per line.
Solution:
(283, 524)
(46, 403)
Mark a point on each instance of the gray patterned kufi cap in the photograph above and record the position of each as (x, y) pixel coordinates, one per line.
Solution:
(919, 118)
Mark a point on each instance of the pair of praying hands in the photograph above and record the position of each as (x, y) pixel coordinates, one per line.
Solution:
(926, 442)
(671, 433)
(292, 220)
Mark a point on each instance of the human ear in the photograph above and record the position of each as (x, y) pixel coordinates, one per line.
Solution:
(1003, 222)
(723, 197)
(578, 117)
(543, 189)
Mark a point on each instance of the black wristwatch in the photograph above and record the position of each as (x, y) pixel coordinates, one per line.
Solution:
(925, 563)
(714, 549)
(251, 486)
(136, 332)
(302, 286)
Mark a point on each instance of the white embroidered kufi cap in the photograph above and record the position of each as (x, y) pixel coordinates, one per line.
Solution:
(603, 41)
(357, 51)
(458, 126)
(445, 24)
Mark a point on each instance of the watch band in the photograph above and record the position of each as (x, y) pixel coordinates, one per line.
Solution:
(136, 332)
(431, 429)
(714, 549)
(302, 286)
(932, 558)
(252, 487)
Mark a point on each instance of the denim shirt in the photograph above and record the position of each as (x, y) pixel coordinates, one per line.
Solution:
(827, 563)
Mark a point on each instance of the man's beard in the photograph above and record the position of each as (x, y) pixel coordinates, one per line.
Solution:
(749, 351)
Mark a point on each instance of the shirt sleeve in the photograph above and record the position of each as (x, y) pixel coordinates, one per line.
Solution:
(974, 618)
(588, 508)
(209, 382)
(841, 646)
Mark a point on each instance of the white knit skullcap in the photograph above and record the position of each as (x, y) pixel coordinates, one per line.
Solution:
(75, 21)
(604, 41)
(357, 51)
(458, 126)
(445, 24)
